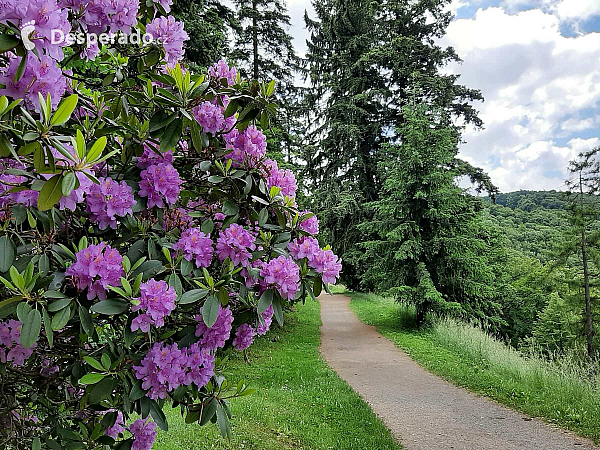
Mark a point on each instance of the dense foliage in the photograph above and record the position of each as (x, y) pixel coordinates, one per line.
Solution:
(143, 229)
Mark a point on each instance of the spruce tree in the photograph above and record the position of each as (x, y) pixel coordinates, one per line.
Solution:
(208, 24)
(429, 244)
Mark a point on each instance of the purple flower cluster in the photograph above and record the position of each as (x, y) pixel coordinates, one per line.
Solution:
(267, 317)
(166, 367)
(170, 33)
(249, 146)
(10, 340)
(283, 179)
(284, 274)
(41, 76)
(221, 70)
(310, 225)
(107, 200)
(97, 267)
(27, 197)
(214, 337)
(157, 300)
(244, 336)
(236, 243)
(144, 432)
(45, 16)
(151, 157)
(195, 245)
(323, 261)
(100, 15)
(327, 264)
(210, 117)
(160, 181)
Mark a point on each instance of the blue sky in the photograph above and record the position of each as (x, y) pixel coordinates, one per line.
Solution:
(537, 63)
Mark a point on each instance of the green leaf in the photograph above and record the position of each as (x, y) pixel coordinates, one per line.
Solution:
(317, 287)
(208, 411)
(37, 444)
(158, 415)
(48, 327)
(93, 362)
(91, 378)
(80, 145)
(263, 216)
(8, 252)
(215, 179)
(61, 318)
(86, 320)
(64, 110)
(265, 300)
(50, 193)
(230, 208)
(192, 296)
(68, 184)
(96, 151)
(160, 119)
(186, 267)
(137, 392)
(102, 390)
(223, 421)
(8, 42)
(110, 307)
(21, 68)
(207, 226)
(210, 311)
(31, 328)
(59, 304)
(149, 269)
(171, 135)
(278, 310)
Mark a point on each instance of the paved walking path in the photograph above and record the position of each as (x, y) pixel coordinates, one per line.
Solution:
(423, 411)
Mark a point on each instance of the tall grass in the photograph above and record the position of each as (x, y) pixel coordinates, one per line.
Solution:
(564, 389)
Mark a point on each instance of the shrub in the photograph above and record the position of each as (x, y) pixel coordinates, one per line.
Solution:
(142, 228)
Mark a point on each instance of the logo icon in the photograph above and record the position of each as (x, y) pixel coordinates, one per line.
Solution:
(26, 32)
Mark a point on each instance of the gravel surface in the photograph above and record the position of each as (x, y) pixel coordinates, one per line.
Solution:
(423, 411)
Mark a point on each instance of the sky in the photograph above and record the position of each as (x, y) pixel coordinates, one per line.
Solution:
(537, 63)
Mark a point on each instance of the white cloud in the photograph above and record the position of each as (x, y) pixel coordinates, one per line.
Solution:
(540, 87)
(577, 9)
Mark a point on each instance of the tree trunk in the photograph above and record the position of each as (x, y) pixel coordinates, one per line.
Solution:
(589, 329)
(255, 38)
(420, 314)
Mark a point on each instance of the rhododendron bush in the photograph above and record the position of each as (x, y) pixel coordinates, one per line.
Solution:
(144, 234)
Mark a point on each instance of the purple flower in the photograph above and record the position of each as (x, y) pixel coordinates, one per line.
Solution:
(210, 117)
(170, 33)
(117, 428)
(283, 179)
(236, 243)
(25, 197)
(214, 337)
(10, 340)
(310, 225)
(144, 432)
(151, 157)
(249, 146)
(267, 317)
(97, 267)
(304, 247)
(327, 264)
(41, 76)
(166, 367)
(166, 4)
(221, 70)
(201, 365)
(284, 274)
(195, 245)
(244, 336)
(157, 300)
(44, 16)
(107, 200)
(160, 181)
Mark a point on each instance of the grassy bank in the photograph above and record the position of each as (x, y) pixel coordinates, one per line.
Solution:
(562, 394)
(300, 402)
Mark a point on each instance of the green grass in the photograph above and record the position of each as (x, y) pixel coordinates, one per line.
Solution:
(300, 402)
(560, 392)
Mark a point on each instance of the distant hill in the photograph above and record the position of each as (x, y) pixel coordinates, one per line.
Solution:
(531, 200)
